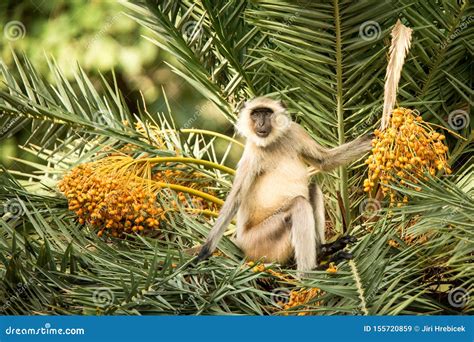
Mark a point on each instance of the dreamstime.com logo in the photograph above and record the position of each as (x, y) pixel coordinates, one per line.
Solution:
(13, 208)
(46, 330)
(280, 296)
(370, 207)
(103, 297)
(281, 121)
(14, 30)
(370, 31)
(458, 119)
(191, 30)
(458, 297)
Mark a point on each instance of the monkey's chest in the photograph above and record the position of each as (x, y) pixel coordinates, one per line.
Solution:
(276, 187)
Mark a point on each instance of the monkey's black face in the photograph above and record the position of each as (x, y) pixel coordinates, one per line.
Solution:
(262, 121)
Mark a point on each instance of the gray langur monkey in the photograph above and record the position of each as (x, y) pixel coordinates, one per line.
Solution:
(279, 215)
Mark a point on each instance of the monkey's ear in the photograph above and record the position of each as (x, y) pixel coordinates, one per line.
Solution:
(283, 104)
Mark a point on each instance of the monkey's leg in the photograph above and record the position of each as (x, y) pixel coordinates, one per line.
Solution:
(303, 234)
(317, 202)
(324, 249)
(268, 240)
(290, 230)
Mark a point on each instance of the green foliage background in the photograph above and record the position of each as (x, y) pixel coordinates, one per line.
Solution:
(101, 38)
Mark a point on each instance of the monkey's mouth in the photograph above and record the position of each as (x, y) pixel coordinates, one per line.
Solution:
(262, 134)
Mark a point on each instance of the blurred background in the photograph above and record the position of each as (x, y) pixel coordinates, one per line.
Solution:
(102, 39)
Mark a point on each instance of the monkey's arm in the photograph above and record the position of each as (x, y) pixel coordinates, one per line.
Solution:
(227, 212)
(327, 159)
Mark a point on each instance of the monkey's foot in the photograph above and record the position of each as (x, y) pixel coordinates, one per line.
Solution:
(204, 253)
(335, 259)
(339, 244)
(340, 256)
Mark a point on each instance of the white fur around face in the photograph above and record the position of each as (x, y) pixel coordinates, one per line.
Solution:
(280, 121)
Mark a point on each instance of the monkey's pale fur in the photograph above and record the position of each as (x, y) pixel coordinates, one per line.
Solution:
(277, 215)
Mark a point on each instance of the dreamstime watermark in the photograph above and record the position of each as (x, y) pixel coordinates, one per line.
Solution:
(191, 30)
(104, 208)
(281, 121)
(10, 119)
(370, 30)
(196, 208)
(361, 129)
(13, 208)
(200, 110)
(458, 297)
(9, 124)
(458, 119)
(189, 300)
(20, 289)
(280, 296)
(100, 117)
(465, 22)
(108, 23)
(14, 30)
(361, 310)
(103, 297)
(451, 212)
(369, 207)
(46, 330)
(289, 21)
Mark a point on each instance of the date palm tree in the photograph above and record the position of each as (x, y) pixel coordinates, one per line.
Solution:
(326, 60)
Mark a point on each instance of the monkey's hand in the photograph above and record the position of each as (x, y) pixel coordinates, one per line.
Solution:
(370, 136)
(204, 253)
(366, 140)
